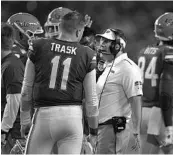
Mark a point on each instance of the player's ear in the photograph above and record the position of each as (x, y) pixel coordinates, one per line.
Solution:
(77, 33)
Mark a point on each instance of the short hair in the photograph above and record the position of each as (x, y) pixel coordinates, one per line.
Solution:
(72, 21)
(7, 36)
(89, 32)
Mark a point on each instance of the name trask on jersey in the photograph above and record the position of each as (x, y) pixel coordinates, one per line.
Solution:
(63, 48)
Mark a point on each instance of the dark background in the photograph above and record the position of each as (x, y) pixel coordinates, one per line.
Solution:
(135, 18)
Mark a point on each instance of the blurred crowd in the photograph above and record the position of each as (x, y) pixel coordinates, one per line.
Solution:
(135, 18)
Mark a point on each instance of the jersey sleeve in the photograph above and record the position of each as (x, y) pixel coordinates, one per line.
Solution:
(168, 56)
(10, 112)
(13, 78)
(132, 82)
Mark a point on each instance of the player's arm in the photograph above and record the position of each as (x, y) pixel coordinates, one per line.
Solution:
(13, 79)
(132, 83)
(166, 100)
(26, 93)
(91, 99)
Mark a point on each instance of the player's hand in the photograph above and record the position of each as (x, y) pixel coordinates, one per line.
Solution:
(24, 130)
(3, 139)
(136, 146)
(168, 138)
(88, 21)
(93, 141)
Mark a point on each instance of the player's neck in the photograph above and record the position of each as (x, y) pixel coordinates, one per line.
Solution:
(66, 37)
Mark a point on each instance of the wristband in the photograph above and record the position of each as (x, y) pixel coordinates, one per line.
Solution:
(3, 132)
(94, 132)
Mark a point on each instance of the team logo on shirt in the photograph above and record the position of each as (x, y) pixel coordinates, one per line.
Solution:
(138, 85)
(101, 65)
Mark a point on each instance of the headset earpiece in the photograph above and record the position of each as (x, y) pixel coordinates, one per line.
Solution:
(115, 48)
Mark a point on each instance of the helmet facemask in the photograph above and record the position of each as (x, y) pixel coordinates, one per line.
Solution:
(51, 30)
(27, 28)
(28, 33)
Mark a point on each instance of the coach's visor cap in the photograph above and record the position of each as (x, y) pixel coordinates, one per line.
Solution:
(108, 34)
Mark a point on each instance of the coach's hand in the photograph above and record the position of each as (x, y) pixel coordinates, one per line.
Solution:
(24, 130)
(3, 139)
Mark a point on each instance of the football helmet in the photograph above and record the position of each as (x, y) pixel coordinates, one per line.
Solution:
(53, 20)
(163, 27)
(27, 27)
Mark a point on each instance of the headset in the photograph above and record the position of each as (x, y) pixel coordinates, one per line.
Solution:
(119, 42)
(105, 82)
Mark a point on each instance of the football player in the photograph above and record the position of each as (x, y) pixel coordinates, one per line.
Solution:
(51, 27)
(56, 72)
(157, 70)
(90, 39)
(12, 72)
(27, 28)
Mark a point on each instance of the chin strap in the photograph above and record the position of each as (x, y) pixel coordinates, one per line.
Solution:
(20, 45)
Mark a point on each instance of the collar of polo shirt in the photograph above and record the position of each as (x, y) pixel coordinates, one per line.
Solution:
(118, 59)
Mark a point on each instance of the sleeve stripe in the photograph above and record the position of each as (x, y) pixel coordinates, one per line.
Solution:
(169, 57)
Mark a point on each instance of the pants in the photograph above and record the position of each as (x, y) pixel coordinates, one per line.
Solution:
(150, 143)
(109, 143)
(58, 125)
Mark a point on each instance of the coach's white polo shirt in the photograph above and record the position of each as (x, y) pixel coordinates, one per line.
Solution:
(120, 81)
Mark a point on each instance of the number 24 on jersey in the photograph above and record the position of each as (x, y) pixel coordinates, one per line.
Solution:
(149, 72)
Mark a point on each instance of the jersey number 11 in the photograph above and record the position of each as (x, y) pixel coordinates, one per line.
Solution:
(66, 63)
